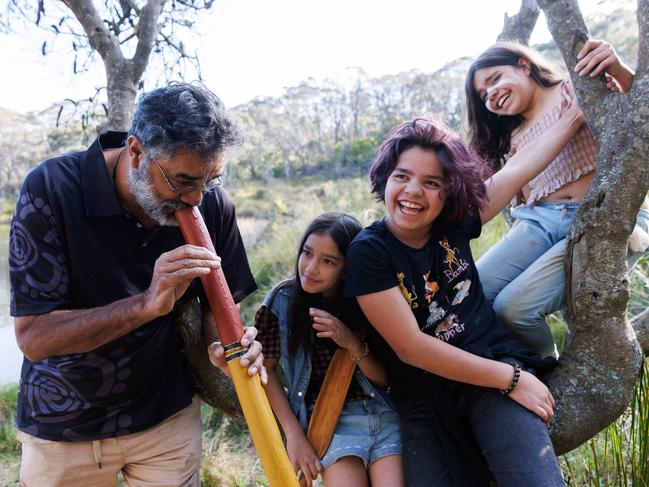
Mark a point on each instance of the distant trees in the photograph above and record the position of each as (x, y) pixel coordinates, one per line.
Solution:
(334, 126)
(125, 33)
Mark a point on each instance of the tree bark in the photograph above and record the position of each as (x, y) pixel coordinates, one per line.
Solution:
(600, 364)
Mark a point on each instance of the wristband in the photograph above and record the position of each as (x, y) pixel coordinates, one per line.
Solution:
(517, 376)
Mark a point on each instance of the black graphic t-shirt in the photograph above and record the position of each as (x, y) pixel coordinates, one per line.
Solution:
(441, 285)
(73, 246)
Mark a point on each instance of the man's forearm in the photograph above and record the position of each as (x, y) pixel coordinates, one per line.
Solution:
(64, 332)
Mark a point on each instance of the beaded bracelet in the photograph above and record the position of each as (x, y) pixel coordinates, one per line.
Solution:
(364, 353)
(517, 376)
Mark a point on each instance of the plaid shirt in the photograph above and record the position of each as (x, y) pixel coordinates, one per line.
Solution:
(577, 158)
(323, 351)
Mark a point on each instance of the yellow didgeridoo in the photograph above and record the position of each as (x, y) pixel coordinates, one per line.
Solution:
(252, 397)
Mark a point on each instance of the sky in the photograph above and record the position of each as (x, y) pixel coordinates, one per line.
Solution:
(253, 48)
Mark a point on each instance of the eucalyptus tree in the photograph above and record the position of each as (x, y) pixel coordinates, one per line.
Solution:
(124, 33)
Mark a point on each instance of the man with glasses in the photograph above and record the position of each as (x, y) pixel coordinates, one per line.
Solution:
(99, 271)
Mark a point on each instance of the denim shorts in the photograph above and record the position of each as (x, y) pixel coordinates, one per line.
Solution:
(366, 429)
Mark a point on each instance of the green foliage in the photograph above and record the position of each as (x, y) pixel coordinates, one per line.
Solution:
(9, 445)
(353, 157)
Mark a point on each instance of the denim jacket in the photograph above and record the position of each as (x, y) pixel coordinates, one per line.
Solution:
(297, 368)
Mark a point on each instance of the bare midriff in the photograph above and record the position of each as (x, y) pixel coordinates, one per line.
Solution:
(573, 191)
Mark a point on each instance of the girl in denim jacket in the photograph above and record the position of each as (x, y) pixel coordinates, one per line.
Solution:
(301, 323)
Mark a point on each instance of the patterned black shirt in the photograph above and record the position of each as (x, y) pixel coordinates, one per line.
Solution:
(73, 246)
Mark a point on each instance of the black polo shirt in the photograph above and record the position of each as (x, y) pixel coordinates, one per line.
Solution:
(73, 246)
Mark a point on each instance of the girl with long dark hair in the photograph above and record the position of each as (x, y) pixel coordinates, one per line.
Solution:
(301, 323)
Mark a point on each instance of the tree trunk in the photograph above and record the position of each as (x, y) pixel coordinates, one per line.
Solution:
(121, 91)
(594, 381)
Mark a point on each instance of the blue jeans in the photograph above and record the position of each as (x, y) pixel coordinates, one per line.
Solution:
(523, 275)
(472, 436)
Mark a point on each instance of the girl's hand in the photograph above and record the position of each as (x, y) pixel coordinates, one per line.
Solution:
(303, 458)
(611, 84)
(327, 325)
(533, 394)
(595, 57)
(598, 56)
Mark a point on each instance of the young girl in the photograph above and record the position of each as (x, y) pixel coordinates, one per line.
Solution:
(446, 355)
(513, 96)
(301, 323)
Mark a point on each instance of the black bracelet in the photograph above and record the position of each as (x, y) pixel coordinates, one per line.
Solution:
(517, 376)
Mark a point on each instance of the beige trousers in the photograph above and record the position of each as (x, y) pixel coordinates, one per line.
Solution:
(167, 454)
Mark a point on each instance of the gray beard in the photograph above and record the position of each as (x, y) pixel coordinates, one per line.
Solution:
(141, 187)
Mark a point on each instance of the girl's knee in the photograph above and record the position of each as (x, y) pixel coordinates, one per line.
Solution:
(511, 314)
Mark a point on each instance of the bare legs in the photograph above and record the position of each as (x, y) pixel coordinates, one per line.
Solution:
(350, 472)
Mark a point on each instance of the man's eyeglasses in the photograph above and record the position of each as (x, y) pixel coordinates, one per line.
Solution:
(190, 188)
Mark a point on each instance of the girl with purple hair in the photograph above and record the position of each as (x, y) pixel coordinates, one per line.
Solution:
(471, 407)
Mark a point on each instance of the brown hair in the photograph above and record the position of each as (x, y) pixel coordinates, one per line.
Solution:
(490, 134)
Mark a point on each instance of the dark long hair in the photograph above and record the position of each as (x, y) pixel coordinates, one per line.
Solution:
(464, 171)
(342, 228)
(490, 134)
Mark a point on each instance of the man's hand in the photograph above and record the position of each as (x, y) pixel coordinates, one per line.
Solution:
(172, 274)
(253, 358)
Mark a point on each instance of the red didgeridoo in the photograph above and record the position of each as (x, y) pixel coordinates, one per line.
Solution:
(252, 397)
(216, 287)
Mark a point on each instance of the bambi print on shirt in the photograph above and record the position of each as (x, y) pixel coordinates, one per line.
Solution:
(456, 265)
(442, 322)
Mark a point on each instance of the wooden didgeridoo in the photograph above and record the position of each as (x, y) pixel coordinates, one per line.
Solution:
(254, 403)
(330, 401)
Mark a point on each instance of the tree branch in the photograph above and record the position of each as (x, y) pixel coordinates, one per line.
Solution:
(99, 36)
(147, 32)
(519, 27)
(567, 26)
